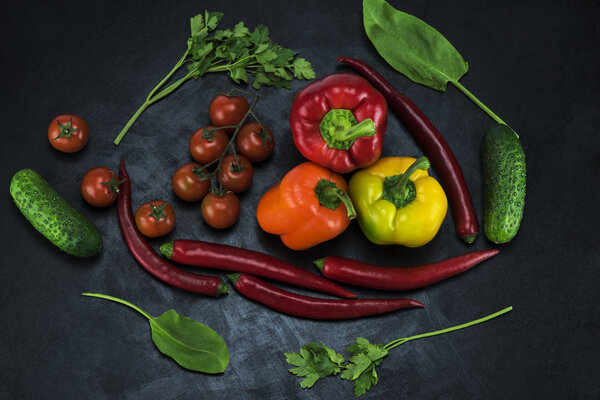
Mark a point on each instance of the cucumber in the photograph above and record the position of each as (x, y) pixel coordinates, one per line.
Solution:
(52, 216)
(503, 183)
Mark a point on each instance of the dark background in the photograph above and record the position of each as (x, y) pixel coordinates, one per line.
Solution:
(534, 63)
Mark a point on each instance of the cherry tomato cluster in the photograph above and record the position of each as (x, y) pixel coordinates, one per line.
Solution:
(228, 158)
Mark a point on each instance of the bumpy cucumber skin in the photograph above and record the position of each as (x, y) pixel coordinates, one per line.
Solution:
(53, 217)
(503, 183)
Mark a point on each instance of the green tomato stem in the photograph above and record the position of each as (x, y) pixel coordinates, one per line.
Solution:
(116, 299)
(398, 342)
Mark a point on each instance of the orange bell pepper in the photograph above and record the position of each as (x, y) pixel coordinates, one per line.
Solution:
(309, 206)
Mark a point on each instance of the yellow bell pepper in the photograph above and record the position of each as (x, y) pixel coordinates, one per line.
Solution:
(397, 202)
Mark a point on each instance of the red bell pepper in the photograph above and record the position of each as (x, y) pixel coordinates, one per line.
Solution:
(339, 122)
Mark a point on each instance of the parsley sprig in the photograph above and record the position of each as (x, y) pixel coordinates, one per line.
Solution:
(316, 361)
(238, 52)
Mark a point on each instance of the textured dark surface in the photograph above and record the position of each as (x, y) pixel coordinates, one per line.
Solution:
(535, 64)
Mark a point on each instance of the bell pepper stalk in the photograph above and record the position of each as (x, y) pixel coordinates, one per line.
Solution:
(309, 206)
(397, 202)
(339, 122)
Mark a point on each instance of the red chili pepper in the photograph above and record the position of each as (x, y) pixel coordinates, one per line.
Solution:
(357, 273)
(221, 256)
(433, 144)
(314, 307)
(149, 259)
(339, 122)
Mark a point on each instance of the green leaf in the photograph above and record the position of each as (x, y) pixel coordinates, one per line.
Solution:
(212, 19)
(302, 69)
(283, 55)
(260, 35)
(266, 56)
(191, 344)
(314, 362)
(222, 34)
(239, 30)
(197, 24)
(238, 75)
(411, 46)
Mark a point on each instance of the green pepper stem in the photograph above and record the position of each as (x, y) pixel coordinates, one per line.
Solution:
(366, 127)
(398, 189)
(340, 129)
(330, 195)
(398, 342)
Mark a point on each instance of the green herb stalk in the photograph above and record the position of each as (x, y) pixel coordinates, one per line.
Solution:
(315, 361)
(237, 51)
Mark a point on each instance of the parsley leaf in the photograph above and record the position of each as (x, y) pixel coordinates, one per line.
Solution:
(314, 362)
(237, 52)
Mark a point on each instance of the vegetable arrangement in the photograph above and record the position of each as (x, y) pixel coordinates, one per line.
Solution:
(338, 123)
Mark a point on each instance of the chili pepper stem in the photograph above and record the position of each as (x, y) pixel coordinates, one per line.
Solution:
(233, 278)
(167, 249)
(222, 289)
(398, 342)
(319, 263)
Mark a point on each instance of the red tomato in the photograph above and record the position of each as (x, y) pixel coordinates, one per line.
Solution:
(68, 133)
(255, 143)
(225, 110)
(99, 187)
(207, 147)
(220, 211)
(187, 185)
(236, 173)
(155, 218)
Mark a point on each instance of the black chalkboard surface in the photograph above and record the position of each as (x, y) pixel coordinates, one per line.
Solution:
(535, 64)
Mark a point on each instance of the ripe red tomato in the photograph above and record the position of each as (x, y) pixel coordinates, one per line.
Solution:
(207, 145)
(220, 211)
(187, 185)
(68, 133)
(155, 218)
(225, 110)
(255, 143)
(235, 173)
(99, 187)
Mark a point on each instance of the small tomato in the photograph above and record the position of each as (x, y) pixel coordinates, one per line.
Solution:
(99, 187)
(255, 142)
(155, 218)
(220, 210)
(68, 133)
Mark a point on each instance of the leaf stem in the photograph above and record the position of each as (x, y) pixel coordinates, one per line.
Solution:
(398, 342)
(169, 75)
(116, 299)
(470, 95)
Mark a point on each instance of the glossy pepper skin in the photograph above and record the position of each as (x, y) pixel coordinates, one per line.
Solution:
(309, 206)
(339, 122)
(390, 214)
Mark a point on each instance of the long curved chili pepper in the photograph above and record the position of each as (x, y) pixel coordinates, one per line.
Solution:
(357, 273)
(221, 256)
(149, 259)
(314, 307)
(433, 144)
